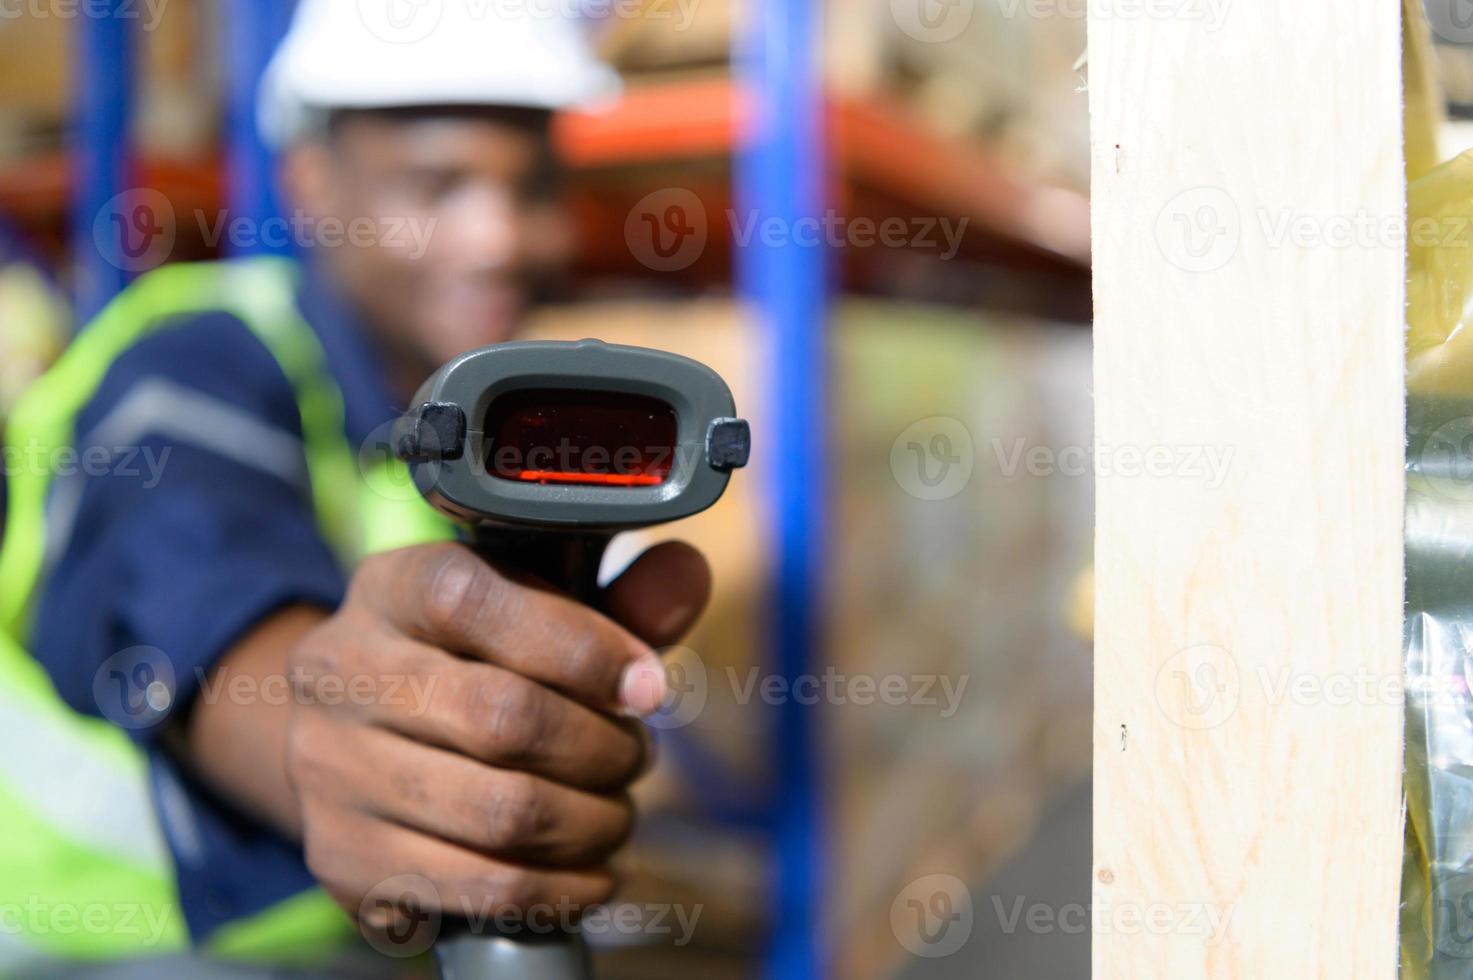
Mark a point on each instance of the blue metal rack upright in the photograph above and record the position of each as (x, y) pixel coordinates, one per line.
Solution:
(253, 29)
(103, 109)
(780, 175)
(103, 112)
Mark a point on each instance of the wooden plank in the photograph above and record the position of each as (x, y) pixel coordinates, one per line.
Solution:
(1247, 731)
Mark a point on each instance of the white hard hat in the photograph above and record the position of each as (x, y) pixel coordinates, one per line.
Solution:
(342, 54)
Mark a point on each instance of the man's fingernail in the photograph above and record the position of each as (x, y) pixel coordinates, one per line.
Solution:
(643, 687)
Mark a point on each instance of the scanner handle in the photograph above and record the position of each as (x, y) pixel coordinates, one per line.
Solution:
(466, 955)
(570, 561)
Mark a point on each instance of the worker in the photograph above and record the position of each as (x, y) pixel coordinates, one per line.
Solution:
(243, 682)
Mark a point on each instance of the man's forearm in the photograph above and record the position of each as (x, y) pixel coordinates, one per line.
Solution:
(237, 747)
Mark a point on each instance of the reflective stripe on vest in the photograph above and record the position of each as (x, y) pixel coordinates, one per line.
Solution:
(78, 832)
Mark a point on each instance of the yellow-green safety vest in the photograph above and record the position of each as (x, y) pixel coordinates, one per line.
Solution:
(84, 870)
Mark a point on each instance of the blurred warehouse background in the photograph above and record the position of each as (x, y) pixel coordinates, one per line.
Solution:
(957, 520)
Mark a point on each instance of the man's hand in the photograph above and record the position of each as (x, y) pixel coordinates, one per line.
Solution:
(503, 781)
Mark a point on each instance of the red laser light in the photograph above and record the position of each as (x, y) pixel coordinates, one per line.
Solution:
(603, 479)
(580, 438)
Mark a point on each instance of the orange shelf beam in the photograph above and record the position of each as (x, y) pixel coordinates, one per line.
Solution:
(875, 141)
(652, 123)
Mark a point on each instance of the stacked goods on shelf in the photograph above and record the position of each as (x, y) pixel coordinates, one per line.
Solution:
(34, 52)
(1004, 75)
(175, 124)
(176, 85)
(965, 593)
(669, 34)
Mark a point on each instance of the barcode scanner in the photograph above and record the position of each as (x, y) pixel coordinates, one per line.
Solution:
(546, 450)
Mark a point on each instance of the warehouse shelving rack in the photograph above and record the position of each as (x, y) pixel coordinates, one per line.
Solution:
(780, 173)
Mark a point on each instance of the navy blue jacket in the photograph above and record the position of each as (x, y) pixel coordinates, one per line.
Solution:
(197, 529)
